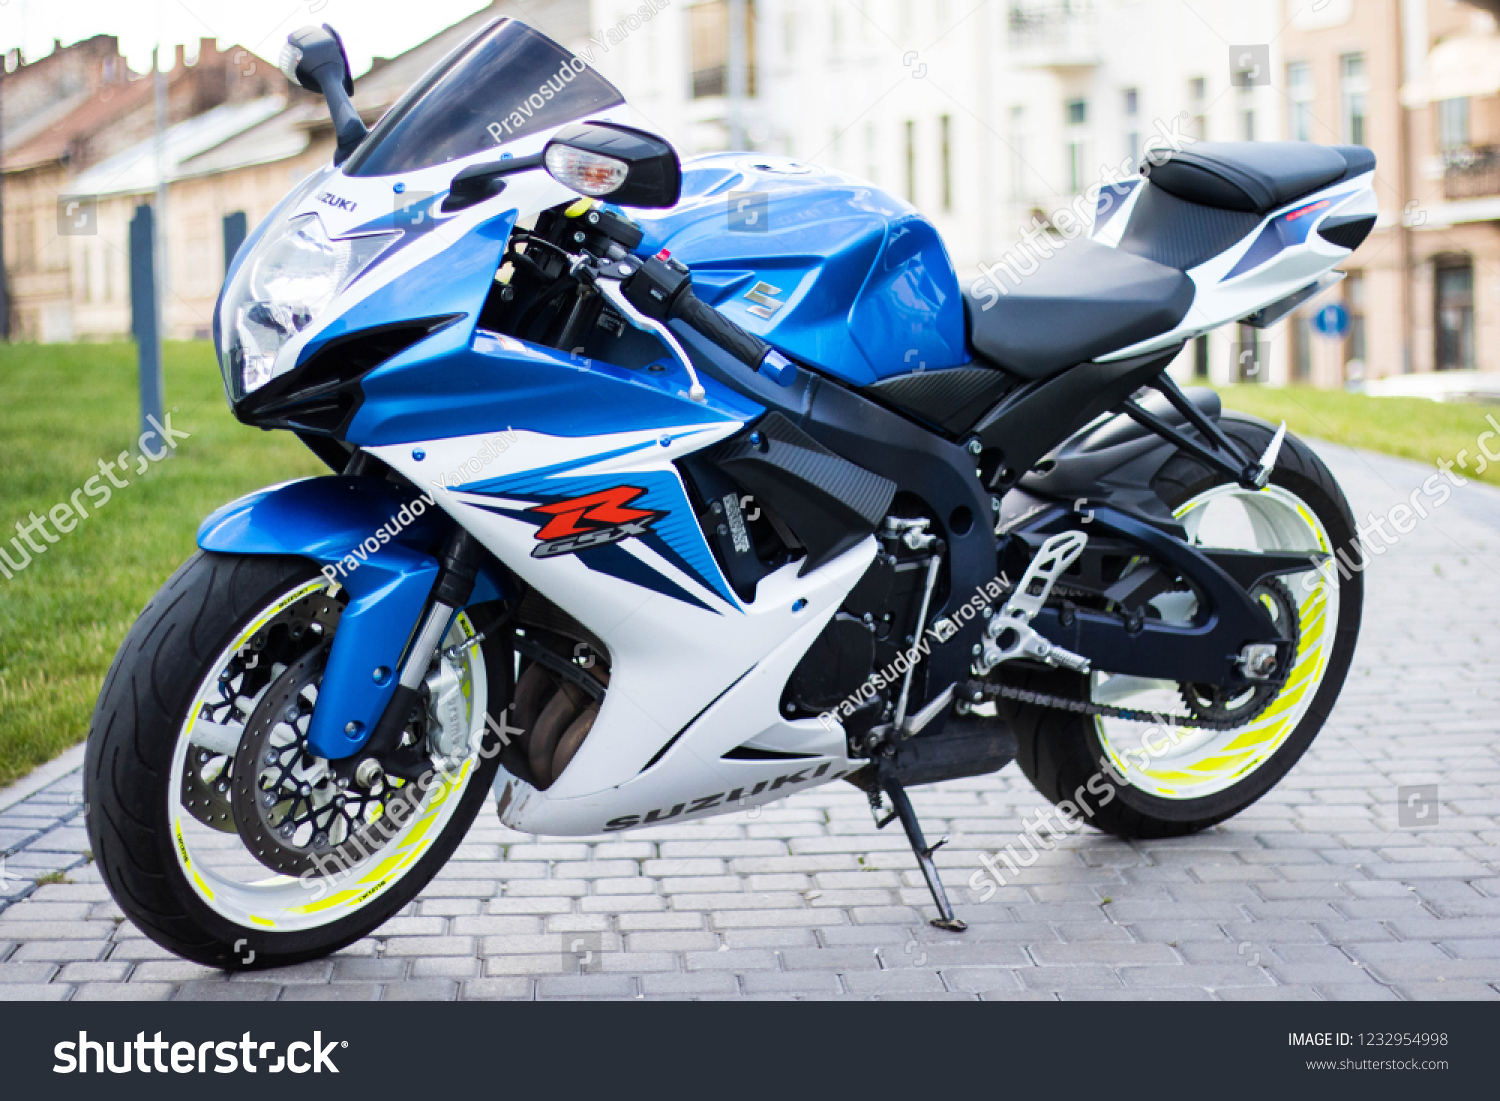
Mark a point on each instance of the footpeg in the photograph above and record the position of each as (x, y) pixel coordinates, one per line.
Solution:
(1009, 634)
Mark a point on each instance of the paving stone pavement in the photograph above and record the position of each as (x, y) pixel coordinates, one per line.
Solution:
(1316, 892)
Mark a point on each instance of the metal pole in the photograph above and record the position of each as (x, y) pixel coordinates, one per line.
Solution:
(144, 316)
(153, 388)
(737, 73)
(4, 283)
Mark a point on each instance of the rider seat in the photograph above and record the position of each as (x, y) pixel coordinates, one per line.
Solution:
(1084, 301)
(1256, 177)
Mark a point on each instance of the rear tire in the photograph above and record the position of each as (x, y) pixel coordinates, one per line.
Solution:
(133, 817)
(1064, 754)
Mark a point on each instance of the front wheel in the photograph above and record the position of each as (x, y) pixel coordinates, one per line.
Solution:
(1145, 781)
(220, 834)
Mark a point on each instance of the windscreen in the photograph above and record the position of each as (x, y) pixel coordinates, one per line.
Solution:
(507, 82)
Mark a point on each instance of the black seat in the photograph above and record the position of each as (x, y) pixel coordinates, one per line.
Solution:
(1256, 176)
(1084, 301)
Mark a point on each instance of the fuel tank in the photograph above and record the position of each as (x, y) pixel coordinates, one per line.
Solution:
(828, 268)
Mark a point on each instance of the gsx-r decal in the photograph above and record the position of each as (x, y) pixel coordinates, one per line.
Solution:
(591, 516)
(593, 520)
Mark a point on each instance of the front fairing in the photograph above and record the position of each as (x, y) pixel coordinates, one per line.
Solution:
(404, 260)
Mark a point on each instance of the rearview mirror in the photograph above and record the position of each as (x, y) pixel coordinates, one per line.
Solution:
(605, 160)
(314, 58)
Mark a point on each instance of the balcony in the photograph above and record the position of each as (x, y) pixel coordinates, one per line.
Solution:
(1472, 172)
(1059, 34)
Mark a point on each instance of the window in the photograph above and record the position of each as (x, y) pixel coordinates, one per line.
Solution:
(910, 155)
(1017, 154)
(789, 34)
(1077, 114)
(1299, 91)
(1301, 332)
(1455, 313)
(872, 153)
(1200, 357)
(1453, 125)
(1132, 110)
(1354, 92)
(708, 36)
(1198, 107)
(1247, 125)
(945, 138)
(1354, 343)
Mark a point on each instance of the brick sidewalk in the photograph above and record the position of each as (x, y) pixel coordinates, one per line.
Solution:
(1314, 893)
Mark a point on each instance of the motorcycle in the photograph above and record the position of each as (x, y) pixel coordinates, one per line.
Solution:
(662, 491)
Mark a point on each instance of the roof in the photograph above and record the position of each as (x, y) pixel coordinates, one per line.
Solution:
(134, 170)
(278, 137)
(51, 136)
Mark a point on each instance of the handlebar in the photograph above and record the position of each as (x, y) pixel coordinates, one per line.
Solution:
(662, 288)
(703, 319)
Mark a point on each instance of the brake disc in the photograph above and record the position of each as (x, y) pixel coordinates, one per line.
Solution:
(294, 812)
(208, 774)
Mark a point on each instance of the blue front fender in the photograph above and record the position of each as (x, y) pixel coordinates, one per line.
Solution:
(333, 521)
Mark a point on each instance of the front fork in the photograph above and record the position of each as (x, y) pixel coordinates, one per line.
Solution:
(458, 568)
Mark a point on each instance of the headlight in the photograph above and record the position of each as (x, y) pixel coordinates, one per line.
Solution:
(295, 272)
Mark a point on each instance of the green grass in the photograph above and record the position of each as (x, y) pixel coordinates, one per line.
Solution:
(63, 408)
(1411, 428)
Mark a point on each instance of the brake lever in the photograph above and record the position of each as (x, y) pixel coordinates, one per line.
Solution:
(606, 280)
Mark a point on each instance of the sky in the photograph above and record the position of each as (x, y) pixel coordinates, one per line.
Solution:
(369, 28)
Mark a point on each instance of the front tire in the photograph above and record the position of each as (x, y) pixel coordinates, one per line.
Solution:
(1078, 759)
(156, 793)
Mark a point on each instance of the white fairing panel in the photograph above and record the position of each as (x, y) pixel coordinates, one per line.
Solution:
(695, 672)
(1278, 258)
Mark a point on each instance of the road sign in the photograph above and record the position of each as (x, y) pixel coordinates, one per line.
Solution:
(1332, 320)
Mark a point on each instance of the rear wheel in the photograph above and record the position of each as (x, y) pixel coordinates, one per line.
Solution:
(1141, 781)
(217, 830)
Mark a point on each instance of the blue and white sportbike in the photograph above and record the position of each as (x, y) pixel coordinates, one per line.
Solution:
(661, 491)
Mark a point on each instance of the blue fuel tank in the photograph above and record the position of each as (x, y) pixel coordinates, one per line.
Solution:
(828, 268)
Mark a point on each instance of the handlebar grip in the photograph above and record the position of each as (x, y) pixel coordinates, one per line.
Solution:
(698, 315)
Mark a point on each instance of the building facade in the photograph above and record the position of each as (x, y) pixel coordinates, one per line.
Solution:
(990, 118)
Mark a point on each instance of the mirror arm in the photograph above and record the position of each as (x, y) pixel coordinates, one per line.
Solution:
(482, 181)
(348, 127)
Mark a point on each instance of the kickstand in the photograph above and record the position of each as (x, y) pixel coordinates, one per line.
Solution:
(904, 811)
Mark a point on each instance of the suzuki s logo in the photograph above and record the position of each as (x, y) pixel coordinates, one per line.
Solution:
(764, 297)
(334, 201)
(592, 521)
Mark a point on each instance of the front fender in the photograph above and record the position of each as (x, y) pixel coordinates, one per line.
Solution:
(379, 541)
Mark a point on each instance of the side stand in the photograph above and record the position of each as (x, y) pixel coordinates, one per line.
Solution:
(903, 810)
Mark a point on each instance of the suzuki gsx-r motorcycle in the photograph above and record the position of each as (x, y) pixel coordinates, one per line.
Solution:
(638, 514)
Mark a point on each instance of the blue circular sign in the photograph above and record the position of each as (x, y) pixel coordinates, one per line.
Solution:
(1332, 320)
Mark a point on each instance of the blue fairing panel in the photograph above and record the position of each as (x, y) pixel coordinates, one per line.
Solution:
(455, 281)
(446, 387)
(332, 521)
(868, 289)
